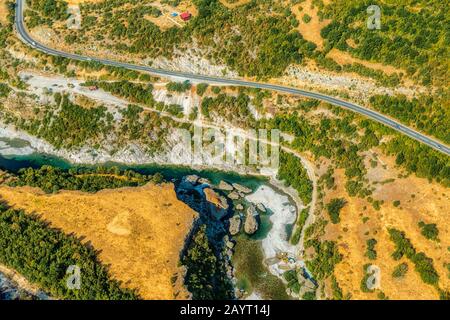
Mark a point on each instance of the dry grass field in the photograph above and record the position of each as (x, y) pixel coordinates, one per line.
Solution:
(139, 232)
(3, 11)
(419, 201)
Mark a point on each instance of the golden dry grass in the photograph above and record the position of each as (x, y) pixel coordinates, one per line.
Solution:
(342, 58)
(311, 30)
(430, 204)
(3, 11)
(140, 232)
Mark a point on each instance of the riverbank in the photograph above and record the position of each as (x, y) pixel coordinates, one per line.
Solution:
(16, 285)
(279, 254)
(15, 143)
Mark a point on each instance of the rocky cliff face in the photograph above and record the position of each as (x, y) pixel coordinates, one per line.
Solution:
(251, 223)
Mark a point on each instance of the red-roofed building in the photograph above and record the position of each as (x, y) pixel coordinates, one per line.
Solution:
(185, 16)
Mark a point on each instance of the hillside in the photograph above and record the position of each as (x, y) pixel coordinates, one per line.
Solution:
(139, 232)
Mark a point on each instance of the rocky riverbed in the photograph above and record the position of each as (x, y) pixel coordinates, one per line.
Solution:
(237, 213)
(14, 287)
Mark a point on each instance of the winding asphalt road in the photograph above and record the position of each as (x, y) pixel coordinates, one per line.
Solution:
(439, 146)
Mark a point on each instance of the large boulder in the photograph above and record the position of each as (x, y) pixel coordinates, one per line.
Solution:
(225, 186)
(241, 188)
(188, 182)
(251, 224)
(218, 204)
(261, 207)
(204, 181)
(192, 178)
(234, 195)
(235, 225)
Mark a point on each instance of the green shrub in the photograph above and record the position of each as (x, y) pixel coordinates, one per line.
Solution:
(334, 209)
(179, 86)
(429, 231)
(4, 90)
(51, 179)
(290, 275)
(400, 270)
(422, 264)
(371, 252)
(309, 296)
(201, 88)
(292, 172)
(306, 18)
(326, 257)
(367, 275)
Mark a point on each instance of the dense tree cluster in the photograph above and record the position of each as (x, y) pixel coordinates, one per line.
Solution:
(420, 159)
(262, 46)
(429, 230)
(427, 113)
(142, 94)
(46, 12)
(365, 278)
(333, 138)
(371, 253)
(326, 257)
(179, 86)
(205, 277)
(292, 172)
(415, 40)
(69, 125)
(423, 264)
(299, 225)
(134, 92)
(339, 138)
(51, 179)
(291, 278)
(234, 110)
